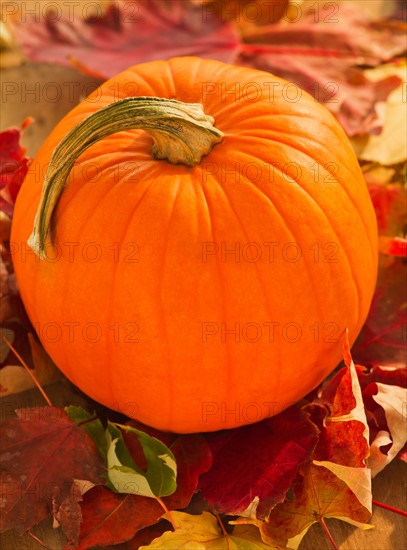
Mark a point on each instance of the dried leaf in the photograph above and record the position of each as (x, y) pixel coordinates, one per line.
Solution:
(39, 462)
(319, 51)
(110, 518)
(127, 33)
(341, 418)
(393, 401)
(389, 147)
(13, 168)
(382, 339)
(68, 514)
(260, 460)
(318, 494)
(91, 424)
(203, 532)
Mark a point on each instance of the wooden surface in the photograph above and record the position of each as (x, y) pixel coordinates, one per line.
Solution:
(390, 486)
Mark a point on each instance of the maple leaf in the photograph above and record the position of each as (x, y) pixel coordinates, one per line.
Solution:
(382, 339)
(202, 532)
(13, 168)
(344, 431)
(383, 390)
(42, 453)
(318, 494)
(128, 32)
(244, 468)
(337, 483)
(110, 518)
(319, 52)
(389, 441)
(389, 147)
(67, 514)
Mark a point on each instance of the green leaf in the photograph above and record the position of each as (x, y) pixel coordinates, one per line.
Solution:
(204, 533)
(89, 422)
(127, 477)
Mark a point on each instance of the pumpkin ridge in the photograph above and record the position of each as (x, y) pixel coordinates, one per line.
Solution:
(309, 272)
(314, 201)
(127, 225)
(161, 310)
(258, 272)
(228, 378)
(112, 372)
(71, 265)
(343, 187)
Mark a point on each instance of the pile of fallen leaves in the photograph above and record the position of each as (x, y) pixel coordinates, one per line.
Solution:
(107, 480)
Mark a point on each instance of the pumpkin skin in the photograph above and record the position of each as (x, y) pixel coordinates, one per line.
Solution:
(135, 302)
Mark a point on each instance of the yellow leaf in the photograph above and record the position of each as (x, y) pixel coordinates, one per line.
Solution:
(357, 479)
(389, 147)
(204, 533)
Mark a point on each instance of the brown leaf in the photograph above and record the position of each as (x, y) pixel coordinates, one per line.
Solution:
(387, 444)
(383, 337)
(318, 494)
(42, 452)
(68, 514)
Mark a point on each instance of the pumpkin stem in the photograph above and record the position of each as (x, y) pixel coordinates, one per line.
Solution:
(182, 134)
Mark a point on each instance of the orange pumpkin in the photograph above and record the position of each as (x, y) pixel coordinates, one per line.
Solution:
(202, 297)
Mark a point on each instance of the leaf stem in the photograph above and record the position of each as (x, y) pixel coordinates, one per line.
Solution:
(328, 534)
(37, 540)
(27, 369)
(388, 507)
(225, 533)
(167, 512)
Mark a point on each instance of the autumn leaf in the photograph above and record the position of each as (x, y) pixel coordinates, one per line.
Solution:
(337, 482)
(319, 51)
(125, 476)
(344, 435)
(241, 12)
(15, 379)
(92, 425)
(388, 147)
(127, 33)
(388, 443)
(202, 532)
(68, 515)
(318, 493)
(42, 453)
(383, 339)
(13, 168)
(260, 460)
(110, 518)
